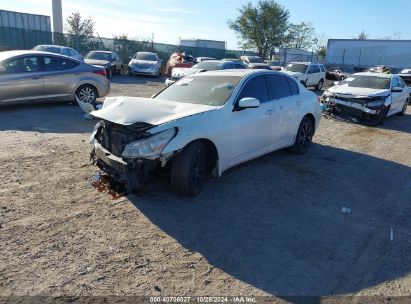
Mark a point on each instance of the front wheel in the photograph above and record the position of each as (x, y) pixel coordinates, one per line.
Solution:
(304, 136)
(188, 170)
(87, 94)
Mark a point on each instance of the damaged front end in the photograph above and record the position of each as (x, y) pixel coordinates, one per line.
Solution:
(370, 109)
(129, 154)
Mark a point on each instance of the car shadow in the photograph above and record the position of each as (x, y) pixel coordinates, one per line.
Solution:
(278, 223)
(45, 118)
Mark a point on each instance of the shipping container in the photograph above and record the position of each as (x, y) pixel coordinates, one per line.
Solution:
(24, 21)
(367, 53)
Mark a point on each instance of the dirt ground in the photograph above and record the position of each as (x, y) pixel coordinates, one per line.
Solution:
(272, 226)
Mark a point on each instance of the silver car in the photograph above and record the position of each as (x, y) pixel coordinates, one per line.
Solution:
(57, 49)
(31, 76)
(145, 63)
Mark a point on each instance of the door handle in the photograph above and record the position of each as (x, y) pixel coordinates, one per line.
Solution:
(270, 112)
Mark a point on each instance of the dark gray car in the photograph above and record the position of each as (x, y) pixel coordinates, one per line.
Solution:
(30, 76)
(109, 60)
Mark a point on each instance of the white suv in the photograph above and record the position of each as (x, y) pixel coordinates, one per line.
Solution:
(309, 74)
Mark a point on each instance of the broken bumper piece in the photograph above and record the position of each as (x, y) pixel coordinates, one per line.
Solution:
(358, 110)
(133, 173)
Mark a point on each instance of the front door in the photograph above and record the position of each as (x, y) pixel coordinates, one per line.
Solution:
(252, 130)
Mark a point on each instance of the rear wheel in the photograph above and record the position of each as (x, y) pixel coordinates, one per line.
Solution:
(188, 170)
(87, 94)
(319, 86)
(304, 136)
(404, 109)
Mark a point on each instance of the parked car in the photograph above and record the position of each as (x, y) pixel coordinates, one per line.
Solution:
(178, 60)
(251, 59)
(201, 59)
(259, 66)
(381, 68)
(57, 49)
(109, 60)
(145, 63)
(204, 124)
(333, 74)
(369, 96)
(210, 65)
(274, 65)
(405, 74)
(31, 76)
(309, 74)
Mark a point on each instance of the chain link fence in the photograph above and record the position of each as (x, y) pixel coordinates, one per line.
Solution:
(14, 38)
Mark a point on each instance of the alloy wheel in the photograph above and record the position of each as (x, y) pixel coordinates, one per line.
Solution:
(86, 95)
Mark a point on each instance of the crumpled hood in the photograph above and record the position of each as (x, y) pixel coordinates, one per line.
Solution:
(96, 62)
(358, 92)
(130, 110)
(182, 72)
(293, 74)
(143, 62)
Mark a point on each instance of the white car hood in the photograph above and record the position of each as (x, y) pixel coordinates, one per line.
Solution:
(357, 92)
(130, 110)
(142, 62)
(182, 72)
(293, 74)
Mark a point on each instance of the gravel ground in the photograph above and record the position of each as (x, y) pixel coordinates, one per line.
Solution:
(272, 226)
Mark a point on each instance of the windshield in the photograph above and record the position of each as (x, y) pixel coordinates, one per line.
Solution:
(208, 66)
(146, 56)
(99, 56)
(370, 82)
(205, 90)
(296, 67)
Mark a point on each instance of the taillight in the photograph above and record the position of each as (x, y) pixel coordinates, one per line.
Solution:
(100, 72)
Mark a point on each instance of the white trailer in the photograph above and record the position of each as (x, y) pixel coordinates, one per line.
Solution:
(204, 44)
(366, 53)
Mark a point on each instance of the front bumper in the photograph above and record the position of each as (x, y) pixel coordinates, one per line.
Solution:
(133, 173)
(338, 106)
(154, 71)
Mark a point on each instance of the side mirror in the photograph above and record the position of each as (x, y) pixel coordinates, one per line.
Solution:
(248, 103)
(397, 90)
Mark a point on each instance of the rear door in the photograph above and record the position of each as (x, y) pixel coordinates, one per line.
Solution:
(314, 74)
(21, 79)
(287, 108)
(61, 76)
(398, 98)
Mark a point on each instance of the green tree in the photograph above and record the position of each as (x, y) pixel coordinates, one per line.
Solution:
(79, 26)
(362, 36)
(301, 36)
(263, 26)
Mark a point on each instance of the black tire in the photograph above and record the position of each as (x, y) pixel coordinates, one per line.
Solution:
(319, 86)
(188, 170)
(304, 136)
(404, 109)
(87, 93)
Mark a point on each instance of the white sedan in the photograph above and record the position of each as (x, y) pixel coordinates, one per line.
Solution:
(370, 96)
(204, 124)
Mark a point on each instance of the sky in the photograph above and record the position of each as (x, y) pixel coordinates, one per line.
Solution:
(170, 20)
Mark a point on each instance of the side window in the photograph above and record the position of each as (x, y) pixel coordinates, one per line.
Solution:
(322, 68)
(256, 87)
(65, 52)
(238, 66)
(58, 64)
(401, 82)
(310, 69)
(21, 65)
(316, 69)
(394, 82)
(293, 86)
(279, 86)
(227, 66)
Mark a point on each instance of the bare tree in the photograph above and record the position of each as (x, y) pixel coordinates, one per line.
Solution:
(301, 36)
(79, 26)
(362, 36)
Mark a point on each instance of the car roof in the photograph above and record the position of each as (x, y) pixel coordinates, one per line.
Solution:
(107, 52)
(306, 62)
(374, 74)
(10, 54)
(54, 46)
(236, 73)
(146, 53)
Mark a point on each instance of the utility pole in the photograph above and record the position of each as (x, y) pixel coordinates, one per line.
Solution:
(57, 16)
